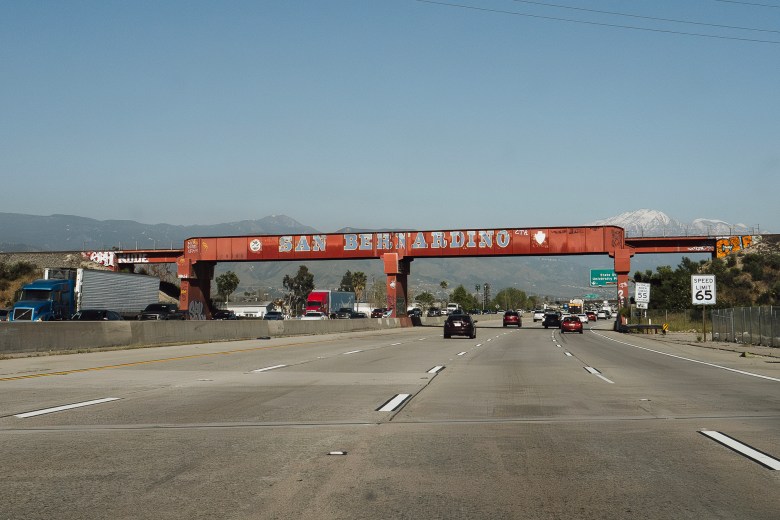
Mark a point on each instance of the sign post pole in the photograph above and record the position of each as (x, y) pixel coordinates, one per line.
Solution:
(703, 293)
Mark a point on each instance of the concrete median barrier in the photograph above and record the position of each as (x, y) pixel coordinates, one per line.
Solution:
(73, 336)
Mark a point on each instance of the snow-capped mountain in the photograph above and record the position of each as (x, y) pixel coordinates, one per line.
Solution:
(650, 223)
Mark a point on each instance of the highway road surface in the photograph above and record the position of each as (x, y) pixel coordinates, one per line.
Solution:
(401, 424)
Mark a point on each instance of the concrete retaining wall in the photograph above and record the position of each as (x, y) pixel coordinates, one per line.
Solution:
(18, 338)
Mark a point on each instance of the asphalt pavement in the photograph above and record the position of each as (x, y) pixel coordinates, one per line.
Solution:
(695, 339)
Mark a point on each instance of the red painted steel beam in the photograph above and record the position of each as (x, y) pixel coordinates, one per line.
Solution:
(408, 244)
(650, 245)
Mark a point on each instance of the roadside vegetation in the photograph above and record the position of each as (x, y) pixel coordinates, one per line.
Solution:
(745, 279)
(13, 276)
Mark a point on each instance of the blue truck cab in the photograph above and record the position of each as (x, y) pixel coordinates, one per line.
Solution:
(45, 300)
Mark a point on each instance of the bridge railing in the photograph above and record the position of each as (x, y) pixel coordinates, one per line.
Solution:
(748, 325)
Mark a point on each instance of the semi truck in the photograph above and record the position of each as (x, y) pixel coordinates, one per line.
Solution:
(329, 302)
(63, 292)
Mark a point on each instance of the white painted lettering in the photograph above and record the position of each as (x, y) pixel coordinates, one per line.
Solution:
(502, 238)
(486, 239)
(383, 241)
(350, 242)
(319, 242)
(303, 244)
(419, 242)
(285, 244)
(437, 240)
(457, 238)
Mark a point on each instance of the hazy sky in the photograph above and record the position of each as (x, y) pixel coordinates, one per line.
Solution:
(390, 113)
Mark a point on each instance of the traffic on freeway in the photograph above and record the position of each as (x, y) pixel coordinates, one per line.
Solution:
(516, 422)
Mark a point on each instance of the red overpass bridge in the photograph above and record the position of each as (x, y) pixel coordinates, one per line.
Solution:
(398, 249)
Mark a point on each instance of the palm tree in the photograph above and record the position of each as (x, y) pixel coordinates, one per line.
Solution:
(359, 284)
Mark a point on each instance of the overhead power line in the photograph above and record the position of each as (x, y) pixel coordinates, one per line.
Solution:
(653, 18)
(748, 3)
(600, 24)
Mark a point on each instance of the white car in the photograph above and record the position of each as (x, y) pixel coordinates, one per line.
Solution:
(601, 315)
(583, 317)
(314, 315)
(538, 315)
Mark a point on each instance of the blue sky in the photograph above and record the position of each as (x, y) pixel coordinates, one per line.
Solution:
(390, 113)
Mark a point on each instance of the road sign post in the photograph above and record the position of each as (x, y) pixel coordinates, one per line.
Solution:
(642, 296)
(703, 292)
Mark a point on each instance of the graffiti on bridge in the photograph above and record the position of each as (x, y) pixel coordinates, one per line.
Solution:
(728, 245)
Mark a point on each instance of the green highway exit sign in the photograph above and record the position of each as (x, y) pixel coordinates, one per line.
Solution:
(602, 277)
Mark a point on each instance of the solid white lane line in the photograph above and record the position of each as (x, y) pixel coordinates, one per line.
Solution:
(393, 403)
(436, 369)
(692, 360)
(65, 407)
(269, 368)
(596, 373)
(743, 449)
(352, 352)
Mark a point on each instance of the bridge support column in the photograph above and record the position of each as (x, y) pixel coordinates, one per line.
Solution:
(397, 271)
(622, 268)
(195, 296)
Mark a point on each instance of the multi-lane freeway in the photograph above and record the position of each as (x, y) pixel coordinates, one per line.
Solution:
(515, 424)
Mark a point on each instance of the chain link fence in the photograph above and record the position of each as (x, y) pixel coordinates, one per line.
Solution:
(749, 325)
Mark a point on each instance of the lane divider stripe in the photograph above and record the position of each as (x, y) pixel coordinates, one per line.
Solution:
(269, 368)
(65, 407)
(393, 403)
(743, 449)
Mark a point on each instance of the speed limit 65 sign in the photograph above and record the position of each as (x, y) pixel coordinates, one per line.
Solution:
(703, 289)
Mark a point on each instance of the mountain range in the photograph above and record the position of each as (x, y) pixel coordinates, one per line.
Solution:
(555, 276)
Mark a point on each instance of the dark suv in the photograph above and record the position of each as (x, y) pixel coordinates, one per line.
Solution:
(460, 325)
(162, 311)
(344, 313)
(552, 319)
(513, 318)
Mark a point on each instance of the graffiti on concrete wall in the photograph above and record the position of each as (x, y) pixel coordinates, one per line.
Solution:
(106, 258)
(734, 244)
(112, 259)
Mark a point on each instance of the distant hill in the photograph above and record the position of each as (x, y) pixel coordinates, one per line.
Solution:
(69, 233)
(554, 276)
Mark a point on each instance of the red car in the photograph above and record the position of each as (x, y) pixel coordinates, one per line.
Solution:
(591, 315)
(512, 318)
(571, 324)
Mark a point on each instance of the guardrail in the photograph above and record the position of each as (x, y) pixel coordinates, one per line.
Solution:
(645, 329)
